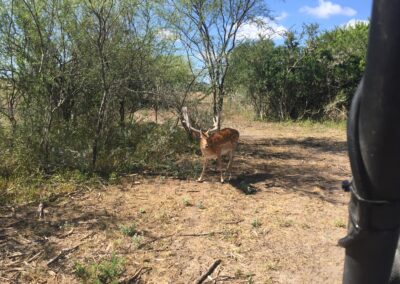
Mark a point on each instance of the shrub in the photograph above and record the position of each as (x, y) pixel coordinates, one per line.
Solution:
(107, 271)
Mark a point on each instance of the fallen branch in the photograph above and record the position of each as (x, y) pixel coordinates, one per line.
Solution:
(155, 239)
(134, 277)
(17, 254)
(13, 269)
(6, 279)
(234, 222)
(35, 256)
(67, 234)
(209, 271)
(64, 252)
(10, 264)
(201, 234)
(220, 279)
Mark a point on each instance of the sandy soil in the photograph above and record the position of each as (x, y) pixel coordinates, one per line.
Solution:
(277, 221)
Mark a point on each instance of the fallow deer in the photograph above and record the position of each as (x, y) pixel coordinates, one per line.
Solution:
(214, 145)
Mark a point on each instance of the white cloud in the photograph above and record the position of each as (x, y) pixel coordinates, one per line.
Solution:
(281, 16)
(354, 22)
(325, 9)
(167, 34)
(261, 28)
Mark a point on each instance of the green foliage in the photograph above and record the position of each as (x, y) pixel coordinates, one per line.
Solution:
(107, 271)
(72, 81)
(200, 205)
(312, 75)
(255, 223)
(137, 240)
(65, 98)
(146, 146)
(21, 188)
(186, 202)
(129, 230)
(340, 224)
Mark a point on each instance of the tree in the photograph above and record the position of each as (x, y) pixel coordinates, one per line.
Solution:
(343, 53)
(11, 94)
(208, 30)
(311, 75)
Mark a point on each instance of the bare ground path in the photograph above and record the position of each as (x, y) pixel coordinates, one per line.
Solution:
(285, 231)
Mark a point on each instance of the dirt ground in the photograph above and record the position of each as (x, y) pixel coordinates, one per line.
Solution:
(277, 221)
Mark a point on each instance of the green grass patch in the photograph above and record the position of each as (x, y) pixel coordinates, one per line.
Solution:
(129, 230)
(316, 125)
(40, 187)
(186, 202)
(106, 271)
(256, 223)
(340, 224)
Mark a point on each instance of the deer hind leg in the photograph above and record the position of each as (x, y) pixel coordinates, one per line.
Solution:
(219, 166)
(204, 169)
(228, 168)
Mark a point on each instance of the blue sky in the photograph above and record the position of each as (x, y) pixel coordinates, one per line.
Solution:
(291, 14)
(326, 13)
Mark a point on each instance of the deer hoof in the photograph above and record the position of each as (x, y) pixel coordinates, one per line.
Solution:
(199, 180)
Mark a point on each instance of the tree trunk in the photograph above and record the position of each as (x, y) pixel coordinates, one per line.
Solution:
(156, 112)
(215, 108)
(219, 107)
(99, 126)
(45, 144)
(122, 112)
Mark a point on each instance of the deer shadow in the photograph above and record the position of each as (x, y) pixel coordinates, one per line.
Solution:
(244, 182)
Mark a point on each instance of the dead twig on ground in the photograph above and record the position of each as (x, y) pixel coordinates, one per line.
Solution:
(234, 222)
(66, 234)
(10, 264)
(201, 234)
(135, 277)
(14, 269)
(208, 272)
(17, 254)
(220, 279)
(40, 210)
(35, 256)
(5, 279)
(155, 239)
(64, 252)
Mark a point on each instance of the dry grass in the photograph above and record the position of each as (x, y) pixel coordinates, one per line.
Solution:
(285, 232)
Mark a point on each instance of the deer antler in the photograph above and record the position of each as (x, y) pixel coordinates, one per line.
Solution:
(187, 121)
(215, 127)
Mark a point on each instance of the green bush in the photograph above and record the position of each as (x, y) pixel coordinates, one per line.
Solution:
(149, 146)
(26, 174)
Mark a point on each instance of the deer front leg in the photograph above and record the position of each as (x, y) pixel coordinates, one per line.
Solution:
(204, 169)
(228, 168)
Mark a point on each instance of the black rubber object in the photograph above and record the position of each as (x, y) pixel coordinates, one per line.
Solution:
(374, 151)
